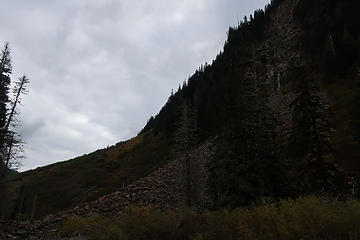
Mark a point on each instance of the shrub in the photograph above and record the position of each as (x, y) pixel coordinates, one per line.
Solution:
(94, 226)
(305, 218)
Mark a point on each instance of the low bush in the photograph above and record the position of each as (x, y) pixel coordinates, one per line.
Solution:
(305, 218)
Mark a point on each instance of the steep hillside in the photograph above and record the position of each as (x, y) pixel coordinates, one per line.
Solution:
(61, 185)
(277, 97)
(279, 103)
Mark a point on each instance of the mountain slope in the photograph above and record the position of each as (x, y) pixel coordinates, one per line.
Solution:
(244, 99)
(61, 185)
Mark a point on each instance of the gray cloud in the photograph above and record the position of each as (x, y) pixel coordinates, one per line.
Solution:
(100, 68)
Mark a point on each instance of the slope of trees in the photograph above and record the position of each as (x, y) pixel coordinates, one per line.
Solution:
(331, 37)
(211, 85)
(249, 164)
(331, 33)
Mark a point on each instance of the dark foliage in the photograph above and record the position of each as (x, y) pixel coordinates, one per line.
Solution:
(331, 33)
(5, 71)
(248, 165)
(211, 85)
(331, 36)
(309, 147)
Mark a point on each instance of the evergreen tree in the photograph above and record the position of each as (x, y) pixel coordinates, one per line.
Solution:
(309, 144)
(247, 166)
(5, 71)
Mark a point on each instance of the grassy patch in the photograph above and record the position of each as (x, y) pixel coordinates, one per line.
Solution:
(305, 218)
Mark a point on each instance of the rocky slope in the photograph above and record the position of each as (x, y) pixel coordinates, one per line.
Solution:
(164, 189)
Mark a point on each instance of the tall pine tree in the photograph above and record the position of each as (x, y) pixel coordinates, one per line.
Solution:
(5, 71)
(309, 143)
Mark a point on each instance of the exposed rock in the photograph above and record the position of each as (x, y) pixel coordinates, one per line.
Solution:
(162, 189)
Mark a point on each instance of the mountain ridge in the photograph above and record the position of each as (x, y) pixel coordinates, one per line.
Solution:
(260, 57)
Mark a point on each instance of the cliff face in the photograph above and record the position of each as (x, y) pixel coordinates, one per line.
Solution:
(273, 61)
(283, 52)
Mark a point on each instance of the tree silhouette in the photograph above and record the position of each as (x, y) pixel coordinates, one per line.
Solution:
(5, 71)
(10, 142)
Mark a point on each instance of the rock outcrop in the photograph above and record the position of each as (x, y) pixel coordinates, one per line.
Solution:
(163, 189)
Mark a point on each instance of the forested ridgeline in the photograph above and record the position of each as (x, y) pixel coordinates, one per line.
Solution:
(287, 55)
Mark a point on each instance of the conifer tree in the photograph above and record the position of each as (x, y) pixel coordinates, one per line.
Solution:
(5, 71)
(246, 167)
(309, 143)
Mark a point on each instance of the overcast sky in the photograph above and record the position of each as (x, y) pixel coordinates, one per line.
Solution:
(100, 68)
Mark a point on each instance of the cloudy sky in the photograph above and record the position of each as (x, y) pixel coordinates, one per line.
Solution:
(100, 68)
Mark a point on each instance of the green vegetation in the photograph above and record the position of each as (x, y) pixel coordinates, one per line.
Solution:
(305, 218)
